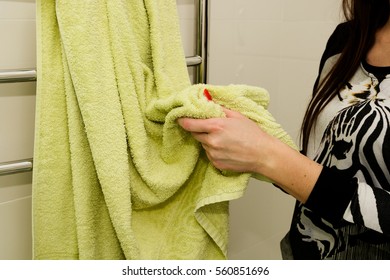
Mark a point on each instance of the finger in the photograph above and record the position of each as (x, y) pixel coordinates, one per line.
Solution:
(200, 137)
(197, 125)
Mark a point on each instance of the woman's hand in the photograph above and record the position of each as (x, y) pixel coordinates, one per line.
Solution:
(234, 143)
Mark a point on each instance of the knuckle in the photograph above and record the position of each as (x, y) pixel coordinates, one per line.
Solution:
(219, 165)
(216, 124)
(213, 142)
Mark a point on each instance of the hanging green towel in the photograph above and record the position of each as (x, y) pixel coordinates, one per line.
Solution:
(115, 177)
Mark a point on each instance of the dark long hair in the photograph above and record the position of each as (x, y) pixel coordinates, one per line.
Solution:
(365, 17)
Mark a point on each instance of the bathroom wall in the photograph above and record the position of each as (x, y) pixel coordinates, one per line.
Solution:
(274, 44)
(17, 101)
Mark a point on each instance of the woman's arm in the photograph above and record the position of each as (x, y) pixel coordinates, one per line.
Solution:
(236, 143)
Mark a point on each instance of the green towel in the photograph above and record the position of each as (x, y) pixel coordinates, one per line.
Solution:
(115, 177)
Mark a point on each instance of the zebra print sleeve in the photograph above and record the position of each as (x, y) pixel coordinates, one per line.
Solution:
(331, 195)
(370, 207)
(338, 199)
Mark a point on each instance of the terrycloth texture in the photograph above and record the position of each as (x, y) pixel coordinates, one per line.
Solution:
(114, 175)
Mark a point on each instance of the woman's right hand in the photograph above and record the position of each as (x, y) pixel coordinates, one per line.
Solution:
(236, 143)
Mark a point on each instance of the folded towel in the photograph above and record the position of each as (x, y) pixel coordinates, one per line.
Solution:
(115, 177)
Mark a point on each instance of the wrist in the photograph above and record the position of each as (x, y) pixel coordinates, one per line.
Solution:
(293, 172)
(268, 156)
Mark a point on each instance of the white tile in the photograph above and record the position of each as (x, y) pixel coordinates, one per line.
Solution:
(222, 61)
(250, 70)
(188, 23)
(246, 9)
(262, 212)
(16, 230)
(258, 9)
(245, 38)
(223, 35)
(267, 249)
(305, 40)
(186, 9)
(309, 10)
(17, 30)
(295, 88)
(257, 37)
(17, 112)
(258, 71)
(17, 48)
(188, 34)
(14, 186)
(218, 76)
(223, 9)
(17, 9)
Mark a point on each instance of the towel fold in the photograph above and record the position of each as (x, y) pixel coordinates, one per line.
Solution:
(115, 177)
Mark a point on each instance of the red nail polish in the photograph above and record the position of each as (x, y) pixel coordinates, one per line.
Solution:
(207, 94)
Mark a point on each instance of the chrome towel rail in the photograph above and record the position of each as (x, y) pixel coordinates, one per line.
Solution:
(13, 167)
(17, 76)
(194, 60)
(202, 40)
(30, 75)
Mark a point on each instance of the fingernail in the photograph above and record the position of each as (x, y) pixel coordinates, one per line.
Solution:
(207, 94)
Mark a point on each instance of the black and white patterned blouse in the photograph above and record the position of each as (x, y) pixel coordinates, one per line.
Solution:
(347, 216)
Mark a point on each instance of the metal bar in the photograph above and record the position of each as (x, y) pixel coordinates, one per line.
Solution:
(30, 75)
(17, 76)
(205, 34)
(13, 167)
(202, 42)
(194, 60)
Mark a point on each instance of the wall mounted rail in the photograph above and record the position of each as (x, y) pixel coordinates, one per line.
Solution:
(30, 75)
(202, 40)
(17, 76)
(13, 167)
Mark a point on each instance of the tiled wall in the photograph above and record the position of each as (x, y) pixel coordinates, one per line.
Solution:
(17, 102)
(275, 44)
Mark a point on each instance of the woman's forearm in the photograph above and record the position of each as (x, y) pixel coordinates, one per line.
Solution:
(293, 172)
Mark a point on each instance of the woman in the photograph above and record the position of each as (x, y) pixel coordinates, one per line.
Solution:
(341, 180)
